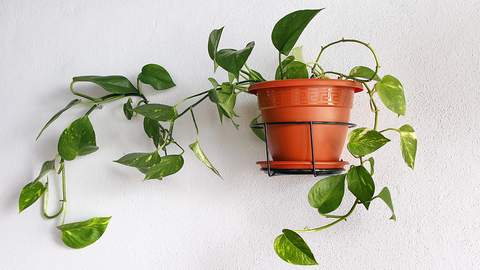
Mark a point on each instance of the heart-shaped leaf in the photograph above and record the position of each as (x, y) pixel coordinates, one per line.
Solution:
(292, 248)
(361, 184)
(140, 160)
(30, 194)
(296, 70)
(408, 140)
(168, 165)
(158, 112)
(232, 60)
(156, 76)
(364, 141)
(77, 140)
(327, 194)
(114, 84)
(364, 73)
(82, 234)
(391, 93)
(288, 29)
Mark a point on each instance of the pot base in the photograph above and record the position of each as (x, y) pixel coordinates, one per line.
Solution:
(302, 165)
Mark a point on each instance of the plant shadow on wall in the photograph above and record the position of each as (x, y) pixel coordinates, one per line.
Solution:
(166, 156)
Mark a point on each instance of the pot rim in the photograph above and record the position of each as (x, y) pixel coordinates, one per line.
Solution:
(358, 87)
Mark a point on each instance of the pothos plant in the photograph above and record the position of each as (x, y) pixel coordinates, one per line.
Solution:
(78, 139)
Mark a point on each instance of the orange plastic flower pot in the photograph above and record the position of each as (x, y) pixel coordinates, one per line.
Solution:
(306, 100)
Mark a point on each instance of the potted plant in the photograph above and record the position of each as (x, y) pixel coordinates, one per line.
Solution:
(79, 139)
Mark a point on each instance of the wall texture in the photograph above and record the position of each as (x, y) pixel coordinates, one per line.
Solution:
(195, 220)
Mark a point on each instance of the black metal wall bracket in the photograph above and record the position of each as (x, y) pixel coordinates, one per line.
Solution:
(271, 171)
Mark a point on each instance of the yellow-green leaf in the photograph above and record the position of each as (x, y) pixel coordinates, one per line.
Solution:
(364, 141)
(292, 248)
(391, 93)
(167, 166)
(197, 150)
(77, 140)
(408, 140)
(327, 194)
(158, 112)
(81, 234)
(30, 194)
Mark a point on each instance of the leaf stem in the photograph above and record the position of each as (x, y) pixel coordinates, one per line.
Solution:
(195, 104)
(64, 190)
(340, 218)
(194, 122)
(82, 95)
(45, 204)
(190, 97)
(280, 64)
(389, 129)
(348, 40)
(373, 105)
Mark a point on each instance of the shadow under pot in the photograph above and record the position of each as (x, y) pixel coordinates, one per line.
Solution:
(299, 111)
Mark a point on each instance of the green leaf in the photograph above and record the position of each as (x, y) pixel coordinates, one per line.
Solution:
(283, 67)
(361, 184)
(47, 166)
(292, 248)
(114, 84)
(327, 194)
(128, 109)
(168, 165)
(232, 60)
(364, 73)
(385, 196)
(255, 76)
(408, 140)
(364, 141)
(77, 140)
(152, 129)
(296, 70)
(30, 194)
(297, 52)
(227, 103)
(69, 105)
(288, 29)
(156, 76)
(258, 131)
(213, 40)
(227, 88)
(201, 156)
(82, 234)
(140, 160)
(214, 83)
(158, 112)
(391, 93)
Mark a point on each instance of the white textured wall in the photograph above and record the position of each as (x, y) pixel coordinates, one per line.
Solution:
(194, 220)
